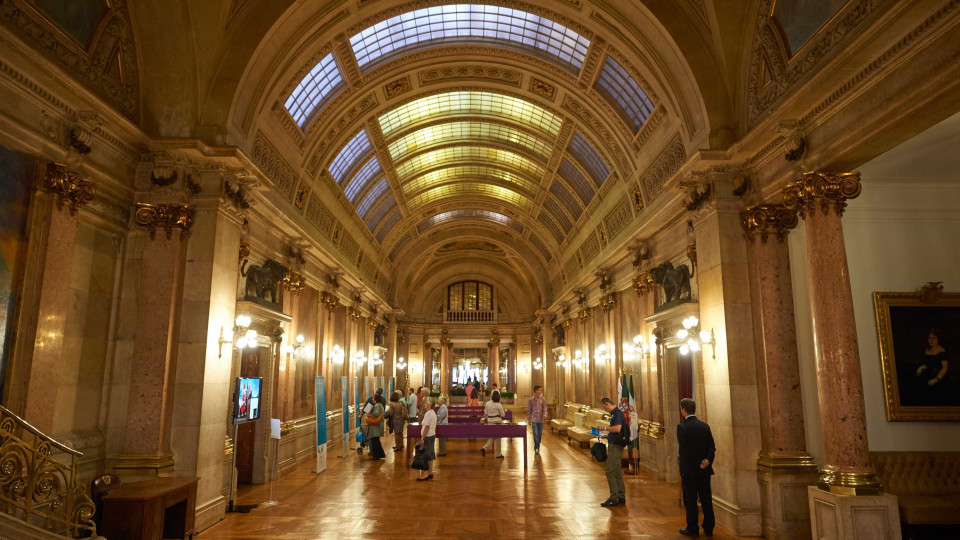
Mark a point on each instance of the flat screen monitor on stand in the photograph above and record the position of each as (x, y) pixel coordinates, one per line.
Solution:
(246, 408)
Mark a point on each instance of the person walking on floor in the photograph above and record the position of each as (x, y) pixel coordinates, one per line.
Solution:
(493, 413)
(618, 492)
(697, 451)
(428, 430)
(375, 431)
(442, 421)
(537, 415)
(398, 417)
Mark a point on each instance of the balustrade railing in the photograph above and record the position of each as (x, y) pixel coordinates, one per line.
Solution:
(35, 487)
(470, 316)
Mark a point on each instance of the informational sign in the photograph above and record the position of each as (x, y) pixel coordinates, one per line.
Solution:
(274, 428)
(391, 384)
(345, 403)
(321, 393)
(356, 401)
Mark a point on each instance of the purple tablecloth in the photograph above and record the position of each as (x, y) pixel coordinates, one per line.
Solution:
(471, 431)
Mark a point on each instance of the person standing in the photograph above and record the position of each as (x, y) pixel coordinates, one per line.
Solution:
(398, 416)
(468, 391)
(537, 415)
(618, 491)
(697, 451)
(442, 421)
(375, 431)
(428, 430)
(493, 413)
(412, 406)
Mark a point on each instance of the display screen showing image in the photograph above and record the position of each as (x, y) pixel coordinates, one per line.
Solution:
(246, 405)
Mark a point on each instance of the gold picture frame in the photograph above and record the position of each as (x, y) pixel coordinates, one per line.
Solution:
(911, 359)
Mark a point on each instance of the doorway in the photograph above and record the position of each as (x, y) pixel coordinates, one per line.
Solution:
(246, 432)
(685, 375)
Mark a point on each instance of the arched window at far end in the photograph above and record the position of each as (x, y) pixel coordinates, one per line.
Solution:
(470, 296)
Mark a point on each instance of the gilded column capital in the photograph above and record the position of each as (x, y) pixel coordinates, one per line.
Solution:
(68, 186)
(167, 216)
(823, 190)
(767, 219)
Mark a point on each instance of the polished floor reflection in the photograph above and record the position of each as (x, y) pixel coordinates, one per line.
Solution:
(470, 497)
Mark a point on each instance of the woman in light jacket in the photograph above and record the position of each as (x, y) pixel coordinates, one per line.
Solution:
(398, 415)
(375, 431)
(442, 421)
(493, 413)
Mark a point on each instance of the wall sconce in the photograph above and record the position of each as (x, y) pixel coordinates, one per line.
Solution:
(640, 345)
(695, 337)
(377, 361)
(562, 361)
(336, 355)
(537, 364)
(290, 349)
(241, 328)
(578, 359)
(401, 363)
(359, 358)
(602, 355)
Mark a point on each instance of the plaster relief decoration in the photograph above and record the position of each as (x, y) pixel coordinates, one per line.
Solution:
(675, 283)
(318, 215)
(166, 216)
(617, 220)
(489, 73)
(262, 281)
(91, 40)
(397, 87)
(273, 166)
(665, 166)
(543, 89)
(919, 334)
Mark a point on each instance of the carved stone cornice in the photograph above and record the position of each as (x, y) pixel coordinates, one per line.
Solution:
(167, 216)
(608, 302)
(822, 190)
(68, 186)
(767, 219)
(643, 283)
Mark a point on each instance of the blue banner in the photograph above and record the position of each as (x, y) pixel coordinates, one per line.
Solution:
(366, 389)
(356, 400)
(345, 400)
(321, 393)
(391, 384)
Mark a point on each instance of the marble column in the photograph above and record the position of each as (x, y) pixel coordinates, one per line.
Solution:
(493, 365)
(446, 365)
(145, 449)
(34, 372)
(785, 468)
(820, 199)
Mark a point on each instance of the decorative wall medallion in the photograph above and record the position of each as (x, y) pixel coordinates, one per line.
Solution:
(68, 187)
(543, 89)
(337, 231)
(601, 235)
(244, 251)
(397, 87)
(300, 199)
(165, 216)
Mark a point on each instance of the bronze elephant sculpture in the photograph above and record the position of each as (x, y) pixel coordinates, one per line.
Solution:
(674, 280)
(263, 279)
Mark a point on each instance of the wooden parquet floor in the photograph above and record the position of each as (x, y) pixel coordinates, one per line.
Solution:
(470, 497)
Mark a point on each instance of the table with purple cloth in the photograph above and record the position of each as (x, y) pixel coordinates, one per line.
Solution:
(471, 431)
(461, 416)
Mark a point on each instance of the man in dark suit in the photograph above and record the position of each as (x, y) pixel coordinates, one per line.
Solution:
(697, 451)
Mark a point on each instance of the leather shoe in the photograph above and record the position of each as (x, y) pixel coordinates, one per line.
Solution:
(622, 501)
(689, 532)
(483, 452)
(710, 534)
(610, 502)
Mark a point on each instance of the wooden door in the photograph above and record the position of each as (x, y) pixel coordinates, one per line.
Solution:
(685, 375)
(243, 446)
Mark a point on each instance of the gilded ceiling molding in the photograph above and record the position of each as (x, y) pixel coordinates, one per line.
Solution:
(68, 187)
(273, 166)
(773, 73)
(396, 87)
(470, 72)
(110, 69)
(343, 121)
(671, 158)
(584, 115)
(166, 216)
(543, 88)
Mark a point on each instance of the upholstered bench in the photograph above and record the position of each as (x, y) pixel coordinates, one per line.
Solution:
(581, 434)
(927, 485)
(560, 425)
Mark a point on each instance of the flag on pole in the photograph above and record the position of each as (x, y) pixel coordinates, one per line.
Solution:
(628, 405)
(634, 420)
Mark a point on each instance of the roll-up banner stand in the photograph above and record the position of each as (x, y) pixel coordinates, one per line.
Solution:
(356, 403)
(321, 393)
(345, 403)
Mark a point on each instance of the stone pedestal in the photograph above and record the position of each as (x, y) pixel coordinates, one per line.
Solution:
(834, 516)
(785, 508)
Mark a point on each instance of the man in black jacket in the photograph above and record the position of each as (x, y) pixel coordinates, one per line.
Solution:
(697, 451)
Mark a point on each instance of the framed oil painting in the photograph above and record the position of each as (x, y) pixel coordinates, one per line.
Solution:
(919, 337)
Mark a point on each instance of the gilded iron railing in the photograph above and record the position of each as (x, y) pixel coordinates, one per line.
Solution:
(38, 489)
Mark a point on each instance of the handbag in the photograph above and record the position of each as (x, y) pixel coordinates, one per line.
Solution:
(599, 451)
(420, 459)
(374, 420)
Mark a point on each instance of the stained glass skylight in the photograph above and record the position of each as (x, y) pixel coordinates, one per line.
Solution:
(581, 149)
(475, 189)
(470, 23)
(470, 154)
(318, 85)
(377, 215)
(470, 173)
(349, 156)
(624, 93)
(483, 215)
(470, 103)
(388, 226)
(550, 204)
(401, 243)
(356, 185)
(573, 176)
(467, 132)
(570, 202)
(371, 196)
(552, 227)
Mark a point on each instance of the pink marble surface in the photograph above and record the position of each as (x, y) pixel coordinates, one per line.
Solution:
(838, 354)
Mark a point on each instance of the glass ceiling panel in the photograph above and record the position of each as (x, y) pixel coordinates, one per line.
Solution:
(500, 194)
(388, 226)
(321, 83)
(360, 180)
(469, 174)
(371, 197)
(401, 243)
(470, 23)
(623, 92)
(544, 219)
(551, 205)
(580, 184)
(349, 156)
(380, 212)
(453, 215)
(468, 131)
(470, 103)
(473, 154)
(581, 149)
(561, 192)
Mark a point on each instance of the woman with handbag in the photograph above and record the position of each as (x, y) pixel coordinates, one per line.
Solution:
(398, 416)
(428, 430)
(375, 428)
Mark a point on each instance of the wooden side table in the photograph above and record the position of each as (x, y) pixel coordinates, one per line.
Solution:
(151, 510)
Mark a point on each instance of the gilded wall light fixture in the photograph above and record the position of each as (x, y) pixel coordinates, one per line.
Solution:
(401, 364)
(359, 358)
(641, 346)
(336, 356)
(537, 364)
(695, 337)
(240, 335)
(377, 361)
(602, 354)
(562, 361)
(578, 359)
(294, 347)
